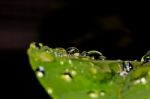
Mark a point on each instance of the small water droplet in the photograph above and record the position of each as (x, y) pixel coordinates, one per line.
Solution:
(140, 81)
(70, 62)
(146, 59)
(143, 80)
(93, 54)
(123, 73)
(93, 70)
(83, 54)
(39, 45)
(102, 93)
(62, 62)
(127, 66)
(73, 72)
(49, 91)
(67, 77)
(47, 49)
(40, 72)
(137, 81)
(36, 45)
(73, 51)
(149, 73)
(93, 94)
(60, 52)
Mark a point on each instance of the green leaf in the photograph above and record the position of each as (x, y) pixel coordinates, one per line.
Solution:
(73, 76)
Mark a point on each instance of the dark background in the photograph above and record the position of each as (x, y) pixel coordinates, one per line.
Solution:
(118, 32)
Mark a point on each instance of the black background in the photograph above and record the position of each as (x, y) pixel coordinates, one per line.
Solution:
(60, 24)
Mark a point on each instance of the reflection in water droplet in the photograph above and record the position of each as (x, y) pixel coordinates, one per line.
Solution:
(95, 55)
(73, 51)
(127, 66)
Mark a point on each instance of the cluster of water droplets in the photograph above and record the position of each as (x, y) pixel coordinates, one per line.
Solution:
(92, 54)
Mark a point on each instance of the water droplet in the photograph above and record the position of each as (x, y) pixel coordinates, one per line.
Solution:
(95, 55)
(60, 52)
(73, 72)
(70, 62)
(102, 57)
(36, 45)
(137, 81)
(40, 72)
(123, 73)
(127, 66)
(93, 70)
(146, 59)
(140, 81)
(102, 93)
(67, 76)
(148, 73)
(83, 54)
(49, 91)
(47, 49)
(93, 94)
(143, 80)
(46, 57)
(62, 62)
(73, 51)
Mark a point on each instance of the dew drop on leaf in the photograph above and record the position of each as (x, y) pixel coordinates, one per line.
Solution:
(67, 77)
(60, 52)
(93, 94)
(72, 51)
(95, 55)
(46, 49)
(40, 72)
(127, 66)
